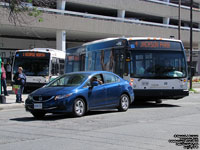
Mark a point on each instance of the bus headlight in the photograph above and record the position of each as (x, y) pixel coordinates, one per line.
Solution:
(62, 96)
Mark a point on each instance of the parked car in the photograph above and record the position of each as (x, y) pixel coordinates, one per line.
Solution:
(80, 92)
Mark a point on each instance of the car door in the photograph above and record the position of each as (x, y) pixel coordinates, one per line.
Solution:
(97, 94)
(113, 88)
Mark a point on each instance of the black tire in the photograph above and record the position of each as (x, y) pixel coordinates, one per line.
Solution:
(124, 103)
(38, 115)
(158, 101)
(79, 107)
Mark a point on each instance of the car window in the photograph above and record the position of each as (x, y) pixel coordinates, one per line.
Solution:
(110, 78)
(98, 77)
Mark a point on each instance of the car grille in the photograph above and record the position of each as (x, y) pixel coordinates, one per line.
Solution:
(42, 98)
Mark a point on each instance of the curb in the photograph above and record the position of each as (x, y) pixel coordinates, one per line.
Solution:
(11, 106)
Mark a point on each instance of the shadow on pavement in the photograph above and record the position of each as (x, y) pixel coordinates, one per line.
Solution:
(150, 105)
(54, 117)
(48, 117)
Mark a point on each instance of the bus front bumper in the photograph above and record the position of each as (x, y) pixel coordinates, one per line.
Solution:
(148, 95)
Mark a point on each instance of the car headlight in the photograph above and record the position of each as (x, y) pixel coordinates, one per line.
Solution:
(63, 96)
(30, 97)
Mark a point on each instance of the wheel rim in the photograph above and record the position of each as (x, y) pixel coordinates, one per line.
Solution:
(79, 107)
(125, 102)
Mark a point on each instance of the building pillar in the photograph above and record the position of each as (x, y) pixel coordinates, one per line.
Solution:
(61, 4)
(61, 40)
(121, 13)
(166, 20)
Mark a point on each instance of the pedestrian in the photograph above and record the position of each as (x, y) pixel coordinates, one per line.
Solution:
(20, 80)
(3, 80)
(8, 70)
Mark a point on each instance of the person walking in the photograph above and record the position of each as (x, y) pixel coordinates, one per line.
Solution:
(20, 80)
(8, 71)
(3, 80)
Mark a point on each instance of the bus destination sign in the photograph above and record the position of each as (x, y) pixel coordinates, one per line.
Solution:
(32, 54)
(154, 45)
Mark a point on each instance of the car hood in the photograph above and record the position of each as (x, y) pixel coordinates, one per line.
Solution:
(53, 91)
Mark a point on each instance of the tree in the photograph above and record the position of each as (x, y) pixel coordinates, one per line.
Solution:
(20, 10)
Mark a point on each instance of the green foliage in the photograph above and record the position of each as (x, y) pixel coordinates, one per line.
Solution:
(40, 20)
(19, 10)
(193, 90)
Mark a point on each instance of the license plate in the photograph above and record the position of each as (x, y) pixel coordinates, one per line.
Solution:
(38, 106)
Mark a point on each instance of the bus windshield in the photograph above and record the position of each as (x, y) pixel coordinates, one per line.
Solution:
(32, 66)
(158, 64)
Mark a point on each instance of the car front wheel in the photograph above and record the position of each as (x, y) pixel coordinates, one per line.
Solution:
(124, 103)
(79, 107)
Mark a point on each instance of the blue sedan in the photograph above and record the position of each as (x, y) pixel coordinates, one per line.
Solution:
(80, 92)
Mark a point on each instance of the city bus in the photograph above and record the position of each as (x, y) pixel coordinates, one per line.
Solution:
(40, 65)
(156, 67)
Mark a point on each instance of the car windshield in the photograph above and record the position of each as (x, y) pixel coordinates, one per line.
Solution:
(68, 80)
(158, 65)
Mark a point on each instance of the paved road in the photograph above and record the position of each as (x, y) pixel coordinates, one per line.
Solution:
(143, 127)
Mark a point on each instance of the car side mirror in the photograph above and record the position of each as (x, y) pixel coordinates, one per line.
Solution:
(95, 83)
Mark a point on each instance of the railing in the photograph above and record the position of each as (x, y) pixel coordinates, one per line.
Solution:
(106, 18)
(171, 4)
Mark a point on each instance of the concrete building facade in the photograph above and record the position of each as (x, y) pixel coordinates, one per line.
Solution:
(72, 22)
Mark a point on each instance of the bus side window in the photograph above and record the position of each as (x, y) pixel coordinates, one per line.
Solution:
(55, 66)
(62, 63)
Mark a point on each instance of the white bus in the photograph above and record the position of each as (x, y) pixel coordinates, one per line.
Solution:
(40, 65)
(156, 67)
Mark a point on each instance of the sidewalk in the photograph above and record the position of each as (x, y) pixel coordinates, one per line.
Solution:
(11, 100)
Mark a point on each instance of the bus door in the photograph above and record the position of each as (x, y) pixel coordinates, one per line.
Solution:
(119, 61)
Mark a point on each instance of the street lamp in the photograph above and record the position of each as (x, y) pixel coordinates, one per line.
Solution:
(179, 20)
(0, 76)
(191, 40)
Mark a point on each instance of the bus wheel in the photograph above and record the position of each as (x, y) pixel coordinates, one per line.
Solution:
(158, 101)
(124, 103)
(79, 107)
(38, 115)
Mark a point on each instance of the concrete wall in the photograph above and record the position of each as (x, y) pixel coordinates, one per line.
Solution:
(107, 28)
(142, 7)
(13, 43)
